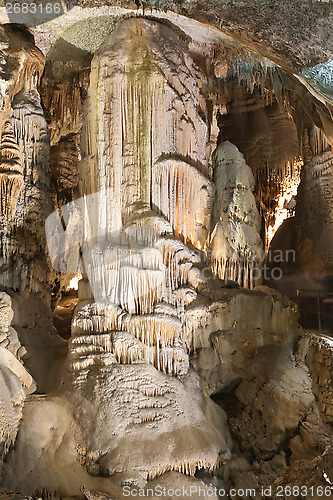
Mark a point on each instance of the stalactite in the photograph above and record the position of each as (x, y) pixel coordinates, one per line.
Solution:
(154, 329)
(131, 278)
(11, 172)
(318, 142)
(250, 70)
(240, 268)
(155, 339)
(255, 71)
(183, 195)
(127, 349)
(188, 467)
(195, 318)
(161, 336)
(178, 260)
(125, 273)
(96, 317)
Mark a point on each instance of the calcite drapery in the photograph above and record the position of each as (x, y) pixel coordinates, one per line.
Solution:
(22, 64)
(11, 172)
(182, 194)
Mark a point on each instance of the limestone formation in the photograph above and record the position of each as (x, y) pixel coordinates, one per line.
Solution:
(16, 382)
(215, 336)
(152, 170)
(271, 408)
(21, 66)
(315, 186)
(235, 243)
(320, 366)
(11, 172)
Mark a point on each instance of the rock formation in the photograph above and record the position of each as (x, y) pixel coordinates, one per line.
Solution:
(11, 172)
(143, 176)
(235, 243)
(16, 382)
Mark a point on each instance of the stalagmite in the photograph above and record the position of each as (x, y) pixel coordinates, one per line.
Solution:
(141, 224)
(131, 123)
(235, 243)
(16, 382)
